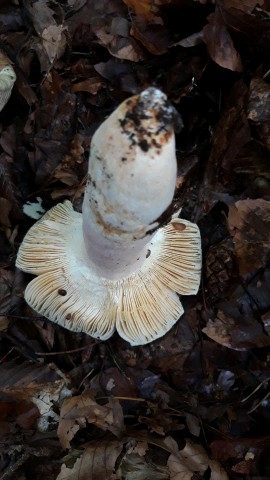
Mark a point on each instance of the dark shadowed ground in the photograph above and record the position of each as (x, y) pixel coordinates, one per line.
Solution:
(196, 403)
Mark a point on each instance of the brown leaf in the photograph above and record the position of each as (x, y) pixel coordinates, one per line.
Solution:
(120, 47)
(192, 459)
(5, 209)
(80, 410)
(135, 464)
(259, 109)
(25, 380)
(220, 45)
(90, 85)
(259, 100)
(4, 60)
(151, 32)
(97, 462)
(54, 41)
(115, 383)
(249, 451)
(231, 134)
(143, 7)
(246, 6)
(249, 225)
(52, 35)
(234, 329)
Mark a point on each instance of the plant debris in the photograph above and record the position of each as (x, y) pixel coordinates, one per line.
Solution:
(195, 403)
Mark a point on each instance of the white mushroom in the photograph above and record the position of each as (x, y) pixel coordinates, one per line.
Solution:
(7, 79)
(112, 267)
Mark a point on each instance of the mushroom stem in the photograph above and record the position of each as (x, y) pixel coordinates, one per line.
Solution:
(131, 182)
(112, 267)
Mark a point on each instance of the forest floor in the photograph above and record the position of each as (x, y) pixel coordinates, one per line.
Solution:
(194, 404)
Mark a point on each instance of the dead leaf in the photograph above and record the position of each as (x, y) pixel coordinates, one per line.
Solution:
(5, 209)
(236, 329)
(249, 224)
(152, 33)
(77, 411)
(26, 381)
(246, 6)
(97, 462)
(259, 101)
(4, 60)
(53, 35)
(192, 460)
(259, 110)
(54, 41)
(135, 465)
(90, 85)
(140, 8)
(219, 43)
(266, 321)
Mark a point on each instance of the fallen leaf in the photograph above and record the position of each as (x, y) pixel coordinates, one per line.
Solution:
(246, 6)
(249, 225)
(236, 329)
(53, 35)
(140, 8)
(152, 33)
(90, 85)
(77, 411)
(192, 459)
(219, 43)
(5, 209)
(54, 41)
(97, 462)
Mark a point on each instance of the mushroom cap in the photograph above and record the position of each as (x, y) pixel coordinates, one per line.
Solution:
(68, 289)
(7, 79)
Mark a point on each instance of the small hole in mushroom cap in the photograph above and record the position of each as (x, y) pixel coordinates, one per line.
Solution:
(179, 226)
(62, 292)
(148, 253)
(68, 317)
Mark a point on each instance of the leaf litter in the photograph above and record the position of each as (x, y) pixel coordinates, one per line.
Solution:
(195, 403)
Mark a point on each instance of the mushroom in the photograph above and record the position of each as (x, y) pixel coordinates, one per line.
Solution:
(112, 267)
(7, 79)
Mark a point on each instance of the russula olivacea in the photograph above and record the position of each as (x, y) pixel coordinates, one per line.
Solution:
(112, 267)
(7, 79)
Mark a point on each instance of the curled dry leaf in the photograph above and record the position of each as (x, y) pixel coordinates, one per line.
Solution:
(192, 459)
(96, 462)
(77, 411)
